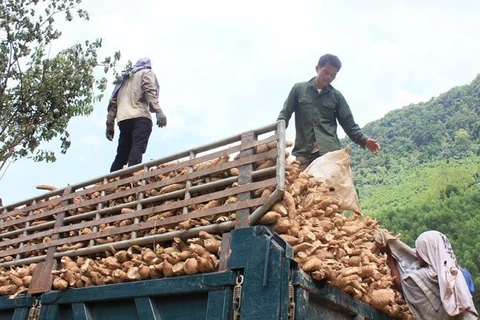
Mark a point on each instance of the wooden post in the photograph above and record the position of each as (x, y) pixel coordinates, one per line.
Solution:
(244, 177)
(42, 277)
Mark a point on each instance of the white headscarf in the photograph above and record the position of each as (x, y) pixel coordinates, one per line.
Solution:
(435, 249)
(143, 63)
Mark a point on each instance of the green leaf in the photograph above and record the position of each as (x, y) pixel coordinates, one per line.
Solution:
(40, 93)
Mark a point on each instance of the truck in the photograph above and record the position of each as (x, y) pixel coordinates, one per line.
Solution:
(161, 201)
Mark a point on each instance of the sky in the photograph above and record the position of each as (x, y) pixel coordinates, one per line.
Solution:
(227, 67)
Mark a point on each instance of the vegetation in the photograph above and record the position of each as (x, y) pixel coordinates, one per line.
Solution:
(40, 91)
(427, 176)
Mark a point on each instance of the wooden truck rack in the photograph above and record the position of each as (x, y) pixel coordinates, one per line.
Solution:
(214, 188)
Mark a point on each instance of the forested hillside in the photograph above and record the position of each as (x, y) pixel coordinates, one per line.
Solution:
(427, 176)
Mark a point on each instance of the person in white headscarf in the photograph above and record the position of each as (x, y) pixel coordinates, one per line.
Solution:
(429, 277)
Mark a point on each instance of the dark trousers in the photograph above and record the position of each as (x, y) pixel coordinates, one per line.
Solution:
(306, 161)
(132, 142)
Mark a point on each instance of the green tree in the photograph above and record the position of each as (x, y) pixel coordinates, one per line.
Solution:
(463, 142)
(40, 93)
(427, 176)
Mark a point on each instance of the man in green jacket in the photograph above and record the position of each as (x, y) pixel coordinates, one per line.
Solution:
(318, 106)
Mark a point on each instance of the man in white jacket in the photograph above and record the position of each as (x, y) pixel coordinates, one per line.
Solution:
(133, 100)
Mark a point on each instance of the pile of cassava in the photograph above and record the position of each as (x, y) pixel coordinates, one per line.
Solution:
(333, 247)
(176, 258)
(329, 245)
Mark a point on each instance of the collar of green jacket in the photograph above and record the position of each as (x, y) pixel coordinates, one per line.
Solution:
(311, 83)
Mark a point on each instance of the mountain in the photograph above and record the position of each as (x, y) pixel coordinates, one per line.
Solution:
(444, 128)
(427, 176)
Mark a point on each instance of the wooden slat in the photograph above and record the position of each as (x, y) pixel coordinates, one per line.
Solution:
(139, 213)
(187, 163)
(245, 178)
(134, 178)
(39, 205)
(42, 276)
(141, 226)
(180, 179)
(113, 216)
(224, 251)
(225, 166)
(132, 215)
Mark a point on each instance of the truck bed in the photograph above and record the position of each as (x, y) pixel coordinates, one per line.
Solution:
(261, 282)
(256, 277)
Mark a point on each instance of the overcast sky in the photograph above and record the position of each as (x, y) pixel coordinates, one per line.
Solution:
(226, 67)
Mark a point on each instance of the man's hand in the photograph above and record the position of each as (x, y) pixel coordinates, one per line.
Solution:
(161, 119)
(373, 146)
(110, 132)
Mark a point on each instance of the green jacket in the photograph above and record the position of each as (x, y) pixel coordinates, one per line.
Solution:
(316, 116)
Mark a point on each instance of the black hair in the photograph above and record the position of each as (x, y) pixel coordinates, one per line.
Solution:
(330, 59)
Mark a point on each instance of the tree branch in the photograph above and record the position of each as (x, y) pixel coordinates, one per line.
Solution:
(7, 75)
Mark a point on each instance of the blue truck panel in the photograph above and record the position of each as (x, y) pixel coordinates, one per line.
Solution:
(261, 281)
(17, 308)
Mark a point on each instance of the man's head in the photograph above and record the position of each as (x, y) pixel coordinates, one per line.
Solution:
(327, 69)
